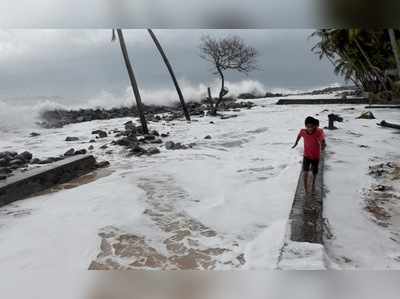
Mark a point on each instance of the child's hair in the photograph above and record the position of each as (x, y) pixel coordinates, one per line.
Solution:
(311, 121)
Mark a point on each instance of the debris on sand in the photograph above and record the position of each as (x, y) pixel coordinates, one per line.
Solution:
(383, 199)
(366, 115)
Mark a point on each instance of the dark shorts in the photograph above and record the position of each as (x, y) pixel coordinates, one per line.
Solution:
(307, 163)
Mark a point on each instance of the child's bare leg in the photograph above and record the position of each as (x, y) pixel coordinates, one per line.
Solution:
(313, 180)
(305, 177)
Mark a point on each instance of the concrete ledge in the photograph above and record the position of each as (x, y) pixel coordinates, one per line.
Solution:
(24, 184)
(321, 101)
(306, 221)
(383, 107)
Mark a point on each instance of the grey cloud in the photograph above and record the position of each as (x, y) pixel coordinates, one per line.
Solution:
(82, 63)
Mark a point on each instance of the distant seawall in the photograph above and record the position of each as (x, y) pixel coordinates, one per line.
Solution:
(322, 101)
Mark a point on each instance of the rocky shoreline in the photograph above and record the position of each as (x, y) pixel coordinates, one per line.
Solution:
(59, 118)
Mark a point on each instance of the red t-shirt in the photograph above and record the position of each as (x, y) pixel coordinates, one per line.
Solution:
(312, 143)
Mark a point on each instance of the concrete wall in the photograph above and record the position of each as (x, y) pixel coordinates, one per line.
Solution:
(28, 183)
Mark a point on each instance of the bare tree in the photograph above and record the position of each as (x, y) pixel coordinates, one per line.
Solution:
(229, 53)
(171, 72)
(132, 79)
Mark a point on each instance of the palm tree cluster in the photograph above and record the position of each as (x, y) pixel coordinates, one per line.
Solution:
(131, 74)
(368, 58)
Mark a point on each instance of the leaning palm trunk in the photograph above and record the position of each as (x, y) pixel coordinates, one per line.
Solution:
(395, 49)
(132, 78)
(171, 72)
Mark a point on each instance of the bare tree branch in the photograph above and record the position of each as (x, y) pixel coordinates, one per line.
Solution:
(229, 53)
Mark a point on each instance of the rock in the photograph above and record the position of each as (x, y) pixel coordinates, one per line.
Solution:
(154, 133)
(126, 141)
(104, 146)
(16, 162)
(69, 152)
(153, 151)
(5, 170)
(4, 162)
(35, 161)
(208, 137)
(164, 135)
(156, 141)
(137, 150)
(229, 116)
(170, 145)
(382, 188)
(100, 133)
(8, 155)
(92, 141)
(130, 126)
(34, 134)
(81, 152)
(246, 96)
(102, 164)
(211, 122)
(25, 156)
(149, 137)
(366, 115)
(91, 147)
(71, 139)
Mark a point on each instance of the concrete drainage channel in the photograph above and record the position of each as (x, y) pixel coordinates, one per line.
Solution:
(24, 184)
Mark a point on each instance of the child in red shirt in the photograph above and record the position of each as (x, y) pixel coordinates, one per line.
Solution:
(314, 142)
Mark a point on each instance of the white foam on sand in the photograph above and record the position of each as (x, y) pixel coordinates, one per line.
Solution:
(240, 183)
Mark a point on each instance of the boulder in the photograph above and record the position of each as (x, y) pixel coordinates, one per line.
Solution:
(16, 162)
(81, 152)
(69, 152)
(35, 161)
(34, 134)
(154, 133)
(170, 145)
(71, 138)
(366, 115)
(102, 164)
(4, 162)
(91, 147)
(137, 150)
(25, 156)
(208, 137)
(153, 151)
(156, 141)
(100, 133)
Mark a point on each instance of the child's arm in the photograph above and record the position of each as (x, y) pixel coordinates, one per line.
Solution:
(297, 141)
(323, 144)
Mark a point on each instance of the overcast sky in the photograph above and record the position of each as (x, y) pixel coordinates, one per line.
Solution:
(84, 63)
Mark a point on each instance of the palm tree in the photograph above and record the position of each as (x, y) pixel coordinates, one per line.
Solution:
(354, 36)
(171, 72)
(132, 79)
(395, 49)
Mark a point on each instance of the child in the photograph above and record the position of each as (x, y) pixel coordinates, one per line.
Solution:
(314, 141)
